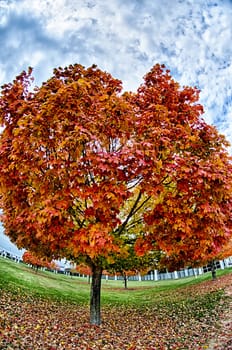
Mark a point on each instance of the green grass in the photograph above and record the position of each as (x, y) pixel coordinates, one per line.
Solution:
(20, 278)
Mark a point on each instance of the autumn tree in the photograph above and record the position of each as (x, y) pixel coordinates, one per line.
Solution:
(38, 262)
(29, 259)
(82, 269)
(225, 252)
(131, 264)
(84, 168)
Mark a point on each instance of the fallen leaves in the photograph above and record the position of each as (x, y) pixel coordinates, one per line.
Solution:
(182, 319)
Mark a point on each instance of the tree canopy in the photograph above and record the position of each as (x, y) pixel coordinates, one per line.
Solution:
(86, 169)
(37, 262)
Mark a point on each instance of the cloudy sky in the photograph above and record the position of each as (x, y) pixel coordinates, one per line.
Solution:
(193, 38)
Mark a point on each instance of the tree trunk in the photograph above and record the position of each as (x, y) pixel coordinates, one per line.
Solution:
(213, 270)
(125, 280)
(89, 279)
(95, 296)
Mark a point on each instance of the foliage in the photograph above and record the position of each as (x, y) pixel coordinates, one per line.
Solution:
(132, 264)
(35, 261)
(82, 269)
(128, 265)
(192, 219)
(226, 250)
(81, 165)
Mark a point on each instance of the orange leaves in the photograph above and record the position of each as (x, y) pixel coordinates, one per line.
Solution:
(83, 167)
(83, 269)
(38, 261)
(93, 241)
(61, 204)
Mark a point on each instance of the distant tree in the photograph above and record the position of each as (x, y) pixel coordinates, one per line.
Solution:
(83, 270)
(84, 167)
(225, 252)
(38, 262)
(131, 264)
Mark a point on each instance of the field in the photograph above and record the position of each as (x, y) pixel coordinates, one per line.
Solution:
(47, 311)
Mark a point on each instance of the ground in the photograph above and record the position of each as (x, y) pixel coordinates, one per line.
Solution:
(223, 341)
(197, 317)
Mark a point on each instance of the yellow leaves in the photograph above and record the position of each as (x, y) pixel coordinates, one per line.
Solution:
(159, 164)
(111, 196)
(22, 124)
(83, 83)
(104, 97)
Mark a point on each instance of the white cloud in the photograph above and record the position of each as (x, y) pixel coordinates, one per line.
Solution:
(126, 38)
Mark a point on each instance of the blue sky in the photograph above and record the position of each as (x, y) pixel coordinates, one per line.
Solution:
(126, 38)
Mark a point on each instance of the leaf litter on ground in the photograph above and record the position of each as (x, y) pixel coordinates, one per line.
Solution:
(186, 318)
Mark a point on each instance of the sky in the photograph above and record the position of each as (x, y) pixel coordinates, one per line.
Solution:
(126, 38)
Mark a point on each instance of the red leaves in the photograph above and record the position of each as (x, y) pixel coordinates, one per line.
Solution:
(90, 212)
(83, 166)
(93, 241)
(36, 261)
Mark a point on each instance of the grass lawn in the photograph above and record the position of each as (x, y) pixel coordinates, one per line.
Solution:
(50, 311)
